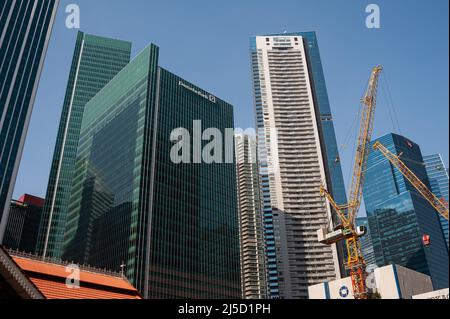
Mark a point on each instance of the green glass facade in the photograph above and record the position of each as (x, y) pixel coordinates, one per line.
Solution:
(96, 61)
(174, 226)
(25, 28)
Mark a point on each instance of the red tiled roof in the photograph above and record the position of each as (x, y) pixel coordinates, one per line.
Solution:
(50, 279)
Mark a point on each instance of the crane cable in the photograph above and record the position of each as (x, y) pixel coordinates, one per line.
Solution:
(342, 149)
(391, 116)
(355, 131)
(390, 104)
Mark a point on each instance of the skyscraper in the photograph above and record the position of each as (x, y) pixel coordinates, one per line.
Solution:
(297, 152)
(23, 223)
(173, 225)
(25, 28)
(251, 228)
(438, 177)
(399, 216)
(96, 60)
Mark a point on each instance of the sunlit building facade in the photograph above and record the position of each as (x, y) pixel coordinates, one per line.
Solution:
(297, 152)
(251, 222)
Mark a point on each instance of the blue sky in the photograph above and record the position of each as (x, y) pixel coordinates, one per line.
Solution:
(206, 42)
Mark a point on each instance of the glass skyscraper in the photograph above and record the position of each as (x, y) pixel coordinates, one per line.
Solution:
(297, 152)
(366, 245)
(25, 28)
(173, 226)
(96, 60)
(438, 177)
(399, 216)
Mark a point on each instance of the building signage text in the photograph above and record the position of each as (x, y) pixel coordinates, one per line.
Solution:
(209, 97)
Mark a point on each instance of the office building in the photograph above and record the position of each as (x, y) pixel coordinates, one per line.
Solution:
(438, 178)
(23, 224)
(173, 227)
(399, 216)
(251, 227)
(96, 60)
(297, 152)
(366, 245)
(25, 28)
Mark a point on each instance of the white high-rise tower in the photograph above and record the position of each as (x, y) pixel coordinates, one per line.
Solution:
(297, 153)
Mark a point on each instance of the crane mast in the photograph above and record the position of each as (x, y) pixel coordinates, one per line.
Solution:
(439, 204)
(363, 147)
(347, 213)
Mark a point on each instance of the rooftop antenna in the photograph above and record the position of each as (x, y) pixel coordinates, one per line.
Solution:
(122, 267)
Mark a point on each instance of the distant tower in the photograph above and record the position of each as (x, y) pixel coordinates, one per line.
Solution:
(23, 224)
(251, 227)
(25, 28)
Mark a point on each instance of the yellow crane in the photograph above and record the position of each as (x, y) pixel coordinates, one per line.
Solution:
(440, 205)
(347, 213)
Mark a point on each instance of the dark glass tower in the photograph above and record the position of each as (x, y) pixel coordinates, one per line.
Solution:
(174, 226)
(25, 28)
(23, 223)
(96, 61)
(399, 216)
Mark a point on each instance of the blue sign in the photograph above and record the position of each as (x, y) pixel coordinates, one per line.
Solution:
(344, 291)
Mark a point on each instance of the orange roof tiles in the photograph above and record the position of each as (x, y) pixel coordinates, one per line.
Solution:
(50, 279)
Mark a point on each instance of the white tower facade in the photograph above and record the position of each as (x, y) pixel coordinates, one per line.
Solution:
(293, 164)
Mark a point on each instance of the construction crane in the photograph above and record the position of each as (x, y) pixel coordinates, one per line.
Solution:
(347, 213)
(440, 205)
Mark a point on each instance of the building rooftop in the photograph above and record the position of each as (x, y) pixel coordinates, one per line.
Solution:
(50, 280)
(31, 200)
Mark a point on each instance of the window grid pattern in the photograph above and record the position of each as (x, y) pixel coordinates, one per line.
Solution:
(96, 61)
(25, 28)
(399, 216)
